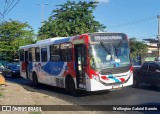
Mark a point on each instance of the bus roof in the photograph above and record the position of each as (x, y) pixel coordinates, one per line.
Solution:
(57, 40)
(48, 41)
(51, 39)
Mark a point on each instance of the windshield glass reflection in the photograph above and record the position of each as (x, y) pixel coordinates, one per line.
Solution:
(109, 55)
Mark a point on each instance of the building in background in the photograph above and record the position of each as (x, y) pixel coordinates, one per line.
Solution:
(152, 52)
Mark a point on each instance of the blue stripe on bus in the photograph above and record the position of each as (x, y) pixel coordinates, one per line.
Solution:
(53, 68)
(111, 76)
(62, 40)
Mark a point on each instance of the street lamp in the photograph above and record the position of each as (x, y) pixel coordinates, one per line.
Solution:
(42, 11)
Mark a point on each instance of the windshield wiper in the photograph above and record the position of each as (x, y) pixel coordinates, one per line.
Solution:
(102, 44)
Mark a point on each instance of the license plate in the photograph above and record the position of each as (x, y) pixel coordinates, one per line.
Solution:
(116, 86)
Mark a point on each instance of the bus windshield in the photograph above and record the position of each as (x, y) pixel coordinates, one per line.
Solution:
(109, 55)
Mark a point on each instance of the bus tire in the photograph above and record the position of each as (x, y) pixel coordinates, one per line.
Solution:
(71, 86)
(35, 79)
(67, 83)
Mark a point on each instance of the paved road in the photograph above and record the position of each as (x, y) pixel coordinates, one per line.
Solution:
(145, 94)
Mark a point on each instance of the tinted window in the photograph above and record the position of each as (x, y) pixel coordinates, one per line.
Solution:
(153, 67)
(66, 51)
(145, 67)
(44, 54)
(8, 67)
(54, 53)
(30, 54)
(37, 52)
(33, 57)
(21, 55)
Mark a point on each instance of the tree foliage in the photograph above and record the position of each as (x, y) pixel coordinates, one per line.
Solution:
(12, 35)
(138, 48)
(71, 19)
(151, 40)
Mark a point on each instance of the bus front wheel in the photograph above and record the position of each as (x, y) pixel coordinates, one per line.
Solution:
(70, 86)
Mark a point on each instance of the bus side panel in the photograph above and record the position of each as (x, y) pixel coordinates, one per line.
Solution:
(51, 73)
(42, 76)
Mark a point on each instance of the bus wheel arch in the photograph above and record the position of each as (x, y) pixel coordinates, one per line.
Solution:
(70, 85)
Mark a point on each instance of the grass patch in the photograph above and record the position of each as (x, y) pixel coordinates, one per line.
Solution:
(1, 94)
(35, 113)
(1, 88)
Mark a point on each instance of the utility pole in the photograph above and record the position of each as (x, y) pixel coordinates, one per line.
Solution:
(42, 11)
(158, 36)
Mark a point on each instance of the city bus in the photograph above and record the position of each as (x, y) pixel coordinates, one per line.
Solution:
(89, 62)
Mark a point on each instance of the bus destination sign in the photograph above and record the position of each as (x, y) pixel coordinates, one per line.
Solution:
(99, 38)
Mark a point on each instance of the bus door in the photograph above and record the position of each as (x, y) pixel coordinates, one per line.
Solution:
(26, 64)
(80, 53)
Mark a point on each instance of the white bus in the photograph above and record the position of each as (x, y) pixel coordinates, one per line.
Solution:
(90, 62)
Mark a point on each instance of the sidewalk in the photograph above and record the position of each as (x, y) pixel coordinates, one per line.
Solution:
(14, 94)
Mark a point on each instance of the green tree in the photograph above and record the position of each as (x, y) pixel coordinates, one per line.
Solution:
(138, 48)
(151, 40)
(71, 19)
(12, 35)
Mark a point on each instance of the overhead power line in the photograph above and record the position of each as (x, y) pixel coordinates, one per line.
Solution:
(6, 7)
(133, 22)
(6, 13)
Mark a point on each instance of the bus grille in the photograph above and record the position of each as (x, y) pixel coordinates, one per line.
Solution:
(115, 70)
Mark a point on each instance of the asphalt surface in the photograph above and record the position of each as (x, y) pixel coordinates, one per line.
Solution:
(145, 94)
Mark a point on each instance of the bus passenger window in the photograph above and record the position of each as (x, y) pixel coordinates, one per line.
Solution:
(44, 54)
(66, 51)
(30, 54)
(33, 54)
(54, 53)
(37, 54)
(21, 55)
